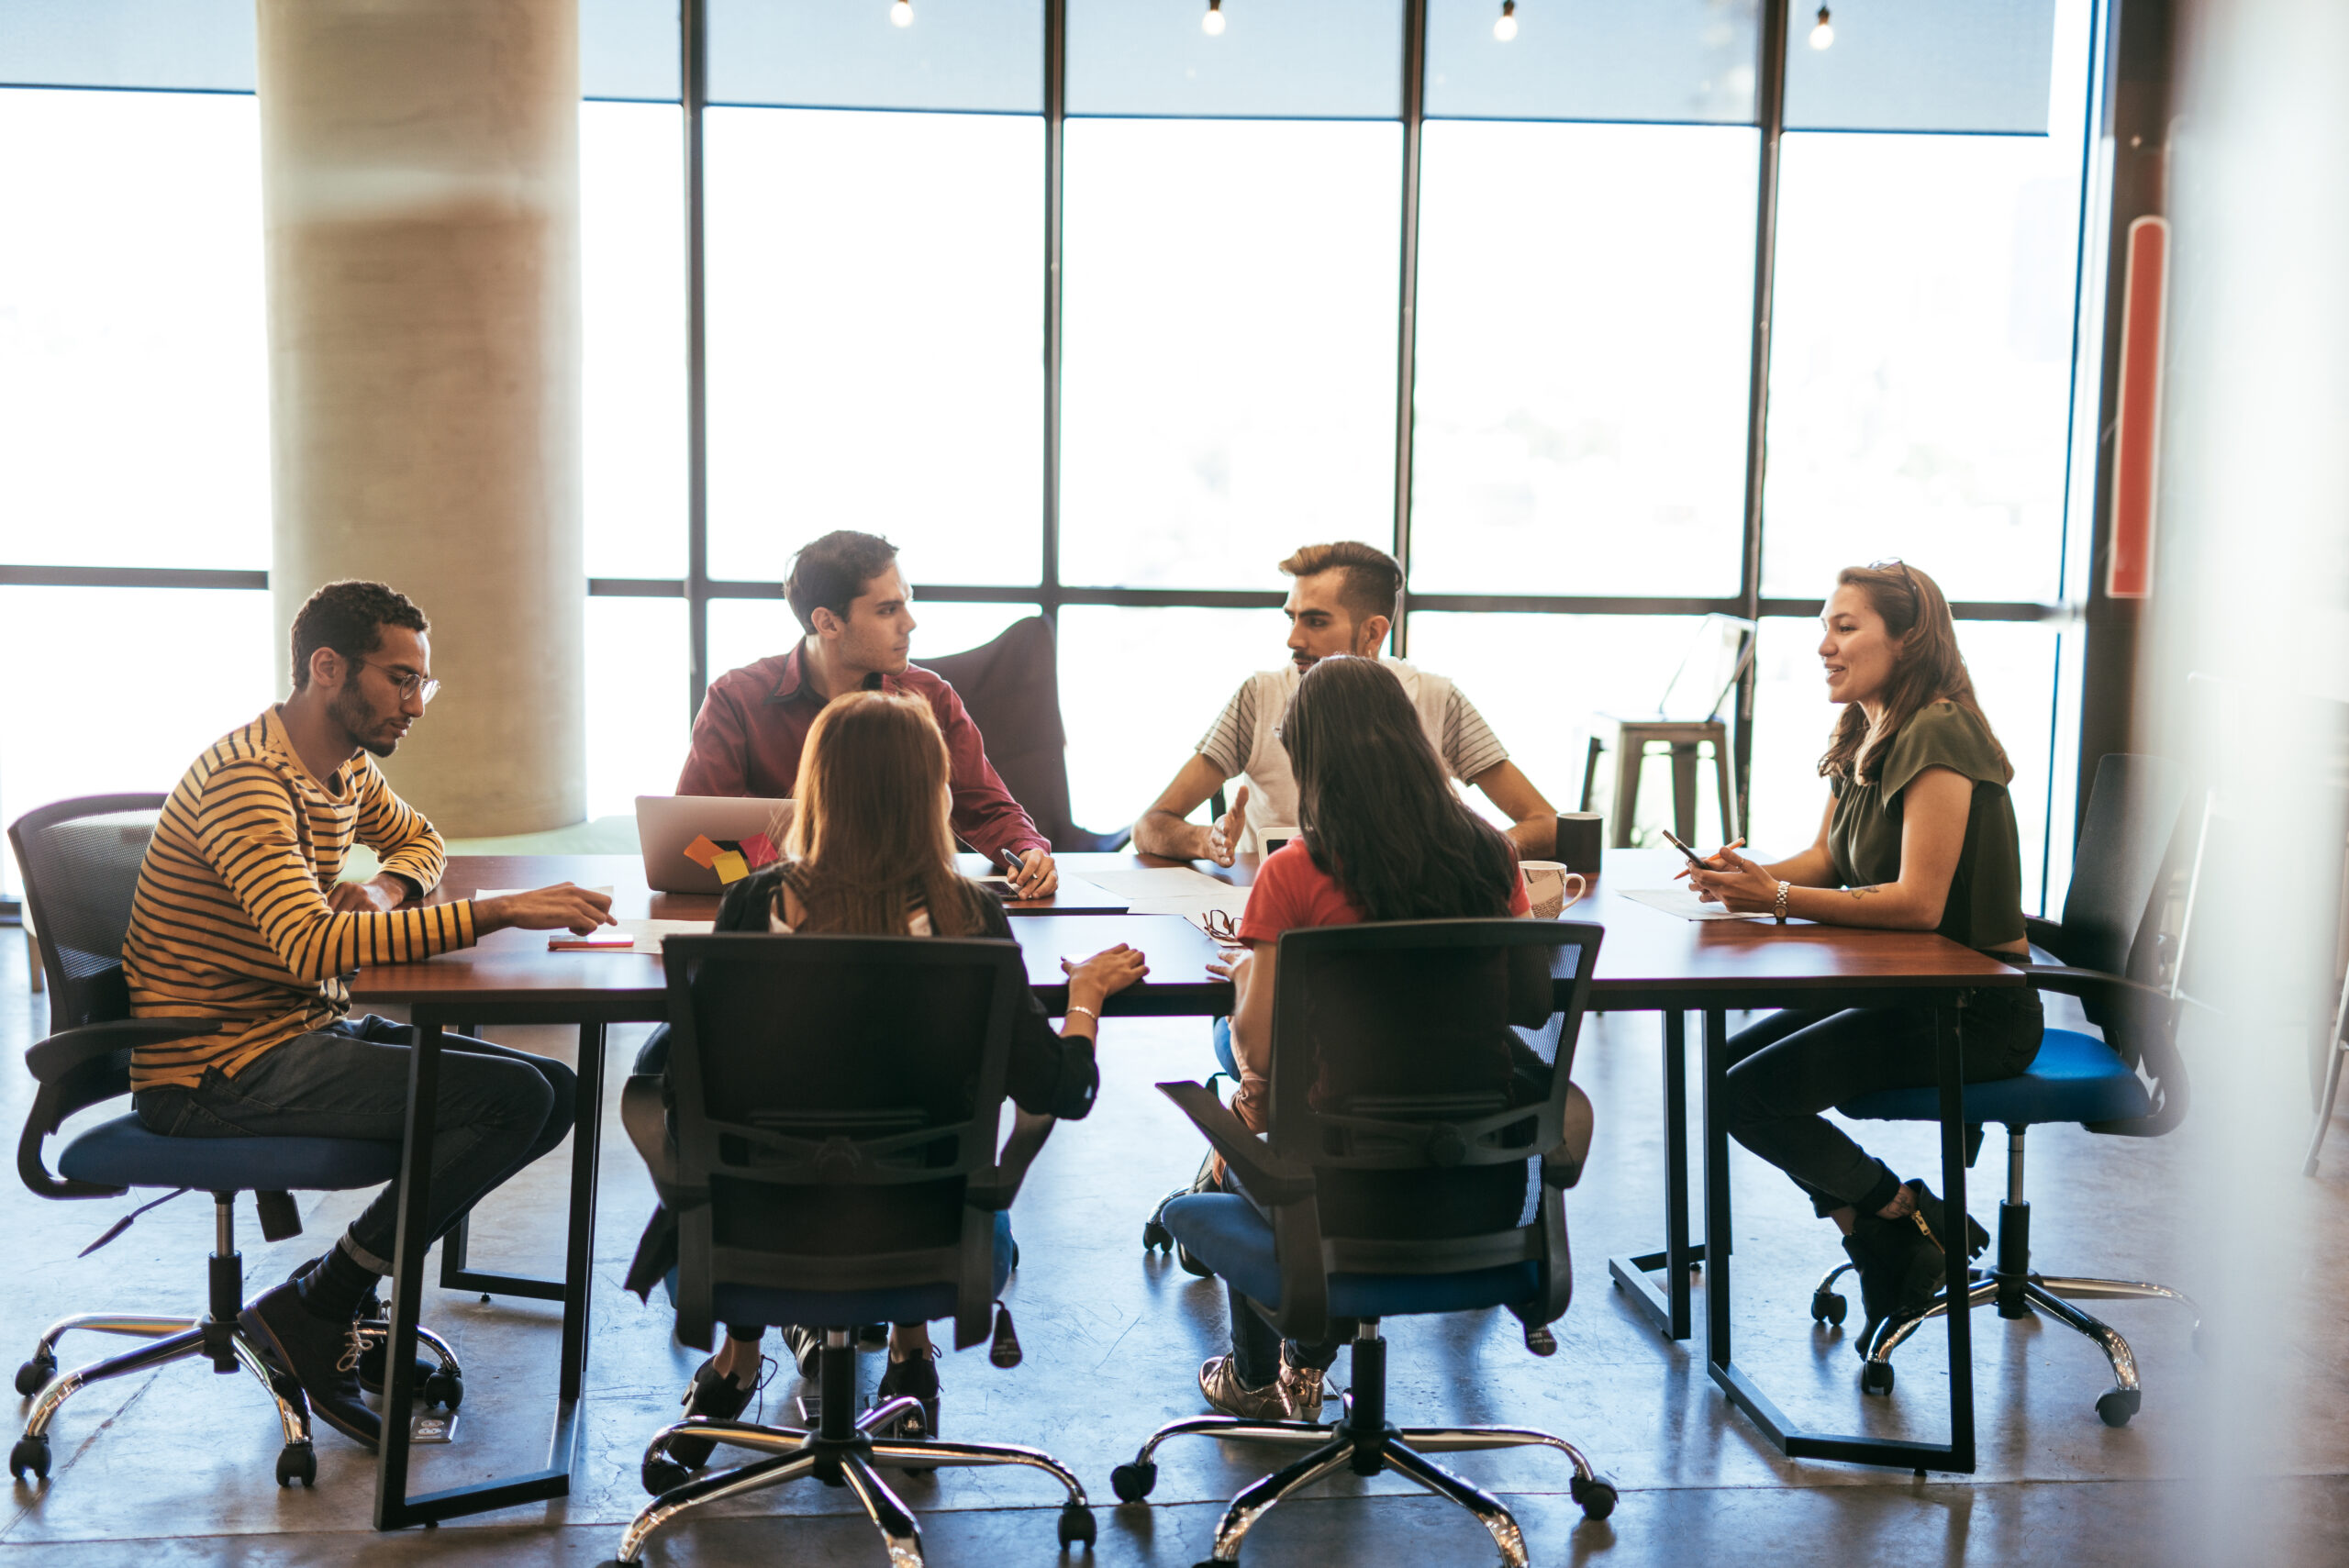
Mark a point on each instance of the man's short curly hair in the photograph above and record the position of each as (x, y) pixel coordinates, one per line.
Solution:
(1373, 580)
(350, 617)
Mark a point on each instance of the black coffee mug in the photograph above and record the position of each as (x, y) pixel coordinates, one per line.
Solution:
(1581, 841)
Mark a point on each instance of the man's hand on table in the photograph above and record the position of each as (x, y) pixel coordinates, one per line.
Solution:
(380, 894)
(1037, 877)
(1225, 832)
(563, 907)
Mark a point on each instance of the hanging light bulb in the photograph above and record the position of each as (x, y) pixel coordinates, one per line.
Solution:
(1822, 35)
(1212, 23)
(1506, 28)
(902, 13)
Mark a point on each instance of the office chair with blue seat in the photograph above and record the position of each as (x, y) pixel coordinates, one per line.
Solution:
(79, 862)
(828, 1152)
(1413, 1167)
(2131, 1082)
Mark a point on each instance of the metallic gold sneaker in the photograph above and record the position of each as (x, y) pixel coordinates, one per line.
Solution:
(1220, 1385)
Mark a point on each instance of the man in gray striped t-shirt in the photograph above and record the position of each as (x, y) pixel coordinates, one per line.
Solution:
(1341, 602)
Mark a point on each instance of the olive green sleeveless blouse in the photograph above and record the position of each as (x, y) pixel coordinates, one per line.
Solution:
(1985, 906)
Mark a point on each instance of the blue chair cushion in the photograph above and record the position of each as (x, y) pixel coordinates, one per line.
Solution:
(125, 1152)
(748, 1303)
(1224, 1231)
(2075, 1077)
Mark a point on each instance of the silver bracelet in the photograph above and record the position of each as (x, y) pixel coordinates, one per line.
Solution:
(1086, 1011)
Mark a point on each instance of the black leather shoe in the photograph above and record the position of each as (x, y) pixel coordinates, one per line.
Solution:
(916, 1376)
(716, 1396)
(319, 1354)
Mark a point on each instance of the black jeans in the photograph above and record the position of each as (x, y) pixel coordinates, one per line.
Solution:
(1256, 1346)
(1792, 1065)
(499, 1110)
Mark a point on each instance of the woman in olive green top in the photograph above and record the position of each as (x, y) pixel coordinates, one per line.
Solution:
(1918, 836)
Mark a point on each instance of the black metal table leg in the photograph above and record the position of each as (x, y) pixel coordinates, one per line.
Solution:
(1955, 1455)
(1670, 1306)
(394, 1509)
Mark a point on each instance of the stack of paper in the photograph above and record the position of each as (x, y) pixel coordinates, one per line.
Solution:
(1173, 890)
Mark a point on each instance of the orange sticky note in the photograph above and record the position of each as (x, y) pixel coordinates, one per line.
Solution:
(703, 853)
(730, 867)
(758, 850)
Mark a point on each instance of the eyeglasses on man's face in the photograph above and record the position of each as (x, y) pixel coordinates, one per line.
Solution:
(407, 682)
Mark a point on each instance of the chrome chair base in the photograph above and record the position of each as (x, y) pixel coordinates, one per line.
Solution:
(2020, 1296)
(171, 1340)
(846, 1455)
(1362, 1441)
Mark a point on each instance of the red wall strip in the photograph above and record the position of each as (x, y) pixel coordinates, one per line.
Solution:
(2136, 455)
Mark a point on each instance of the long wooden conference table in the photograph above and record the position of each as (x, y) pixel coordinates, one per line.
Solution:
(1648, 960)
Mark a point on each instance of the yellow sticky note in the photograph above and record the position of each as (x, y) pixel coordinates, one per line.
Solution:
(730, 866)
(702, 852)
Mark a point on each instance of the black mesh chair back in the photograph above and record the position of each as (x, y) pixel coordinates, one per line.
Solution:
(837, 1097)
(80, 863)
(2124, 840)
(1420, 1068)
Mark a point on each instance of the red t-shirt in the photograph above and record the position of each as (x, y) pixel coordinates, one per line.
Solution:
(1292, 893)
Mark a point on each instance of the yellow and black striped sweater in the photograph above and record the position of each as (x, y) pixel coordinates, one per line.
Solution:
(231, 920)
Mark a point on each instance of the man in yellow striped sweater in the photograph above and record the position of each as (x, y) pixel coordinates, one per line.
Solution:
(240, 917)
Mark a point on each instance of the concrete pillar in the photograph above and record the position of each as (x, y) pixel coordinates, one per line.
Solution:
(420, 177)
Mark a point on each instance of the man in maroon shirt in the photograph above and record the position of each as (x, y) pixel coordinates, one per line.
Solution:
(852, 602)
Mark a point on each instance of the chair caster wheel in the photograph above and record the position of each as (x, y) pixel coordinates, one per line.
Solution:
(1191, 1265)
(662, 1475)
(34, 1376)
(1076, 1525)
(1596, 1494)
(443, 1388)
(1132, 1482)
(1876, 1377)
(30, 1454)
(1015, 1256)
(297, 1461)
(1539, 1341)
(2115, 1406)
(1828, 1306)
(1156, 1238)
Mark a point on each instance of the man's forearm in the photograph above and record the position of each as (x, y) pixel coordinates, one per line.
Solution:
(1536, 838)
(1163, 833)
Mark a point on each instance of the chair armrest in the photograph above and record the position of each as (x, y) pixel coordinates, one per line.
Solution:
(1270, 1178)
(2094, 986)
(2139, 1021)
(995, 1189)
(1562, 1166)
(60, 1053)
(2046, 934)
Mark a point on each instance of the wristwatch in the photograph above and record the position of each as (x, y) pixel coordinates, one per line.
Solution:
(1781, 911)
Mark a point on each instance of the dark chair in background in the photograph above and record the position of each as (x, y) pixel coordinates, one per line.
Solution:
(80, 863)
(1410, 1170)
(2131, 1082)
(830, 1157)
(1012, 689)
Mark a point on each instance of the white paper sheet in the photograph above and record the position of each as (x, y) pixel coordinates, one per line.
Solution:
(1195, 907)
(1681, 901)
(1158, 883)
(645, 935)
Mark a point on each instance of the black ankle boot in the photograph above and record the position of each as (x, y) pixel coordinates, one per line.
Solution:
(715, 1396)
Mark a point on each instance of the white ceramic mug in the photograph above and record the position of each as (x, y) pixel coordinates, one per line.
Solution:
(1551, 888)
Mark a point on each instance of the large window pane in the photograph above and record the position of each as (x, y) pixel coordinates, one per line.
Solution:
(202, 46)
(1140, 688)
(1582, 358)
(632, 266)
(852, 54)
(1920, 371)
(1323, 59)
(875, 339)
(134, 396)
(2013, 664)
(1950, 65)
(1540, 679)
(67, 644)
(1229, 367)
(1656, 60)
(636, 722)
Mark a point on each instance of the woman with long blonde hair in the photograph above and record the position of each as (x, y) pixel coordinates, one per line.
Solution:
(1918, 836)
(869, 851)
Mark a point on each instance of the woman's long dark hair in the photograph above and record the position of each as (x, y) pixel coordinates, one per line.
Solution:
(1374, 808)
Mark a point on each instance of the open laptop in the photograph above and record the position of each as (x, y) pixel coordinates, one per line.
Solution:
(666, 824)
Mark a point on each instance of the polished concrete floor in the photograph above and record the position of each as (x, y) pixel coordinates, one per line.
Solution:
(2240, 1455)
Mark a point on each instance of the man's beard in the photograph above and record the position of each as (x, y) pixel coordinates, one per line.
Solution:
(359, 721)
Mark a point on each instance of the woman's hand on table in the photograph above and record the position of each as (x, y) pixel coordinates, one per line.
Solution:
(1742, 887)
(1234, 965)
(1092, 981)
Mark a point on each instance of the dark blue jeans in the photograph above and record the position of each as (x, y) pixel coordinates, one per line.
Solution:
(499, 1110)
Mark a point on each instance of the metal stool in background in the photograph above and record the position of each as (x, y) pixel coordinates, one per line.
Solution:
(1688, 717)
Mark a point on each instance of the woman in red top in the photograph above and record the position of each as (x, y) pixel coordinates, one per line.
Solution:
(1381, 836)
